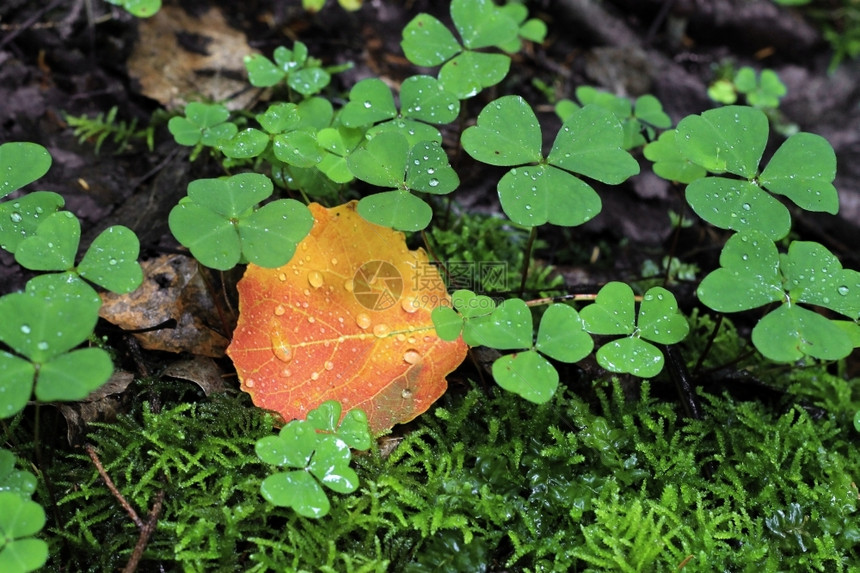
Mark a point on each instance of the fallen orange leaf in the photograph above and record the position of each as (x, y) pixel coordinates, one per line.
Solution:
(348, 319)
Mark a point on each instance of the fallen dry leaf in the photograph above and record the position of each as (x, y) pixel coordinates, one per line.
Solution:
(101, 405)
(201, 370)
(172, 289)
(181, 57)
(348, 319)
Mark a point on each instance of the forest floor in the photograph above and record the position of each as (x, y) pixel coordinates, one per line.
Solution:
(85, 57)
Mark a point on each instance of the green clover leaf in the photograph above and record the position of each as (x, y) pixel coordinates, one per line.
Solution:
(790, 332)
(470, 72)
(428, 42)
(382, 160)
(425, 99)
(203, 123)
(803, 169)
(815, 276)
(447, 322)
(319, 448)
(20, 519)
(245, 144)
(21, 163)
(527, 374)
(20, 218)
(111, 260)
(370, 101)
(388, 160)
(53, 246)
(280, 117)
(562, 336)
(727, 139)
(738, 205)
(748, 276)
(396, 209)
(658, 321)
(298, 148)
(508, 327)
(482, 24)
(219, 222)
(20, 482)
(470, 305)
(589, 143)
(298, 490)
(612, 311)
(631, 355)
(669, 162)
(508, 134)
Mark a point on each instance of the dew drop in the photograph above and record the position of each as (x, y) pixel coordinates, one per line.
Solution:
(842, 289)
(746, 206)
(362, 320)
(329, 365)
(16, 217)
(433, 182)
(280, 347)
(333, 261)
(315, 376)
(249, 383)
(315, 279)
(410, 305)
(348, 285)
(280, 310)
(42, 345)
(25, 328)
(406, 393)
(367, 104)
(412, 356)
(381, 330)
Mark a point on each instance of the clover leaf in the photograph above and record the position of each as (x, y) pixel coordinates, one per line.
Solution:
(481, 24)
(302, 73)
(752, 274)
(41, 326)
(20, 519)
(643, 116)
(658, 321)
(20, 482)
(388, 160)
(21, 163)
(204, 124)
(547, 190)
(731, 140)
(669, 162)
(508, 326)
(319, 449)
(110, 262)
(221, 222)
(423, 101)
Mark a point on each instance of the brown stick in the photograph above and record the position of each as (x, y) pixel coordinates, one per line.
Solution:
(110, 485)
(145, 533)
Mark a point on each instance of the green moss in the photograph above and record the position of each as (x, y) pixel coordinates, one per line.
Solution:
(485, 482)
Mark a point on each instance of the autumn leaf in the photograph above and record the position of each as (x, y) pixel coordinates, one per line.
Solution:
(347, 319)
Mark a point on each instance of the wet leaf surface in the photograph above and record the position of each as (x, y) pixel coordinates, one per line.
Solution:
(347, 319)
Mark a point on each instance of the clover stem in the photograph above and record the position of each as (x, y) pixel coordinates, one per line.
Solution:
(527, 259)
(675, 235)
(710, 343)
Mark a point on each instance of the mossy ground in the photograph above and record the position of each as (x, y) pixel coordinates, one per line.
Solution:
(608, 476)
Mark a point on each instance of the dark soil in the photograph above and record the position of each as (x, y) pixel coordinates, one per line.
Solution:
(57, 58)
